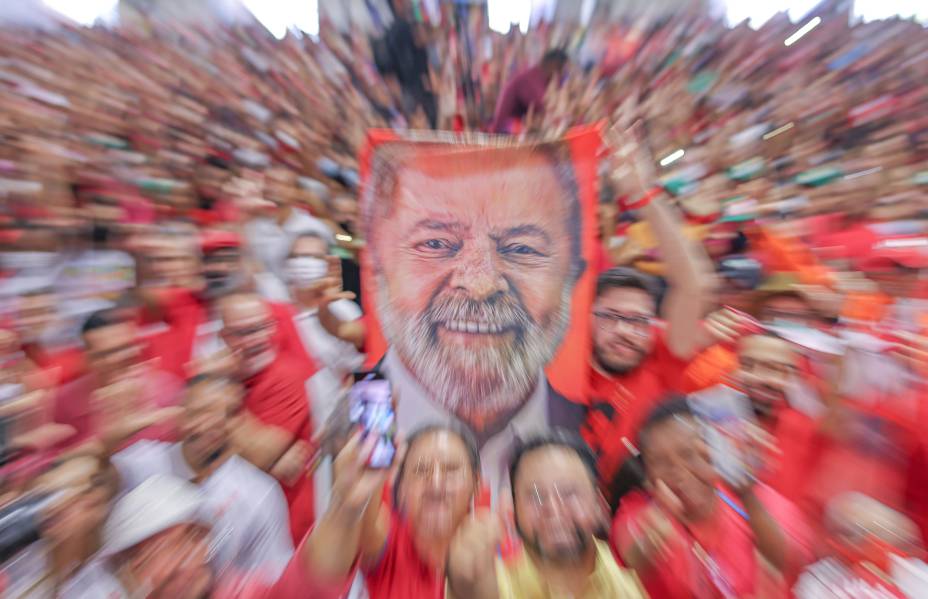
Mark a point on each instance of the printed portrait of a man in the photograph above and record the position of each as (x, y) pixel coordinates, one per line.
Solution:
(474, 254)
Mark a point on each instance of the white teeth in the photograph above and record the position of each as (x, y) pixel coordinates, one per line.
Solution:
(483, 328)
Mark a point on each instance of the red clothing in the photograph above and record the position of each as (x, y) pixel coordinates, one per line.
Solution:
(277, 397)
(728, 540)
(784, 467)
(67, 363)
(401, 573)
(294, 583)
(619, 404)
(184, 311)
(873, 456)
(525, 90)
(74, 406)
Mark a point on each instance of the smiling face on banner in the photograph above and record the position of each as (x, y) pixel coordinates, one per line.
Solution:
(475, 253)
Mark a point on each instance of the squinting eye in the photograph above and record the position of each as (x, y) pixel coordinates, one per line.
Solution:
(520, 249)
(435, 244)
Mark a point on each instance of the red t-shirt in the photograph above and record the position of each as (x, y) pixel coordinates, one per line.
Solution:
(728, 541)
(401, 573)
(785, 468)
(184, 311)
(68, 364)
(74, 406)
(277, 397)
(619, 404)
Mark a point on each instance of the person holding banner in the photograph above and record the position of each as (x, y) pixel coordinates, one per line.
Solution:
(474, 256)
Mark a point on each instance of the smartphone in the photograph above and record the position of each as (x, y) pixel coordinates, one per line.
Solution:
(371, 408)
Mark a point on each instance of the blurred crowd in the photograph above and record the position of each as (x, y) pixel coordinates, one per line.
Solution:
(180, 313)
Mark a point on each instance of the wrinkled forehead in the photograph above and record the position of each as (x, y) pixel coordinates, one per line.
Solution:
(550, 466)
(437, 446)
(458, 174)
(243, 311)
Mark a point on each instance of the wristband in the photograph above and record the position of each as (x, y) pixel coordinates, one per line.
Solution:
(644, 200)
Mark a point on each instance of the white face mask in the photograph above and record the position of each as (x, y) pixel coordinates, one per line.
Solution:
(305, 271)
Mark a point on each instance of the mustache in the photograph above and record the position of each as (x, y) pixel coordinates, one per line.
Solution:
(503, 311)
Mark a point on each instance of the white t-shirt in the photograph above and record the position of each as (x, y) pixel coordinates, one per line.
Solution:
(248, 510)
(336, 358)
(93, 581)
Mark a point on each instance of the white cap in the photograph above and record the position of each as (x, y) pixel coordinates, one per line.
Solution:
(159, 503)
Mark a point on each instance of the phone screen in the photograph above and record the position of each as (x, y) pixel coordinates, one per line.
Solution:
(371, 407)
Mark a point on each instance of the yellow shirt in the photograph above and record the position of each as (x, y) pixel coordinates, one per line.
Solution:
(641, 235)
(521, 580)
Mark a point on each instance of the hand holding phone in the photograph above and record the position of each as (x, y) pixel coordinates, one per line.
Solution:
(371, 408)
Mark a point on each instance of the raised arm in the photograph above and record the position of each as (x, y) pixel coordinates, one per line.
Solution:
(689, 273)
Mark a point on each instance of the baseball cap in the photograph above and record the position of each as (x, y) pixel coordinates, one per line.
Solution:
(156, 505)
(213, 240)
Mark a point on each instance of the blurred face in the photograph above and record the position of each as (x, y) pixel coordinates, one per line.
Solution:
(280, 186)
(248, 331)
(172, 259)
(474, 278)
(173, 564)
(622, 329)
(309, 247)
(221, 270)
(35, 313)
(112, 350)
(206, 415)
(766, 367)
(84, 504)
(345, 210)
(438, 484)
(786, 310)
(676, 454)
(557, 506)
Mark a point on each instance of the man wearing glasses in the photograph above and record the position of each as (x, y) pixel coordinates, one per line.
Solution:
(559, 513)
(275, 394)
(637, 359)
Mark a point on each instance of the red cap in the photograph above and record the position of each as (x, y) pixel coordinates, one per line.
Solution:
(210, 241)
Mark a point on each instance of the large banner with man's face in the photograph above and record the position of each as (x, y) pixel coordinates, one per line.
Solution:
(475, 275)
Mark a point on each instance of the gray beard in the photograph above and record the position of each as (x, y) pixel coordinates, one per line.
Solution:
(481, 383)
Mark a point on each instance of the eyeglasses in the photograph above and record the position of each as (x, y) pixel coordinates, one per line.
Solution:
(450, 474)
(248, 331)
(638, 325)
(564, 496)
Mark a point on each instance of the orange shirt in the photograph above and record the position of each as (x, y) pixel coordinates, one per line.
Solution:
(710, 368)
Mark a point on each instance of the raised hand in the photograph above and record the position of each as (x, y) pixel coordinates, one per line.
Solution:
(472, 555)
(355, 485)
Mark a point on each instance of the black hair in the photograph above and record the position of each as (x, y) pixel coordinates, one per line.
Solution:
(674, 406)
(102, 319)
(459, 431)
(556, 56)
(621, 277)
(557, 438)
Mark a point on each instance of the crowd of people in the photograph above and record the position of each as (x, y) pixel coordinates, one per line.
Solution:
(180, 314)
